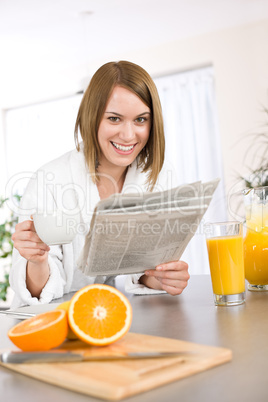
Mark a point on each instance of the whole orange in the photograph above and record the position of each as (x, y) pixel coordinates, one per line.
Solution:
(65, 306)
(99, 314)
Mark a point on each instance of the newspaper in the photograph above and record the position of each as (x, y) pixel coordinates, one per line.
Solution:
(130, 233)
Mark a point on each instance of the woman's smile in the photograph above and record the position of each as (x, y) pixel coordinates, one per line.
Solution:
(123, 149)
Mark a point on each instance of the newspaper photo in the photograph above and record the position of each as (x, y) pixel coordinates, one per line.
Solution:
(130, 233)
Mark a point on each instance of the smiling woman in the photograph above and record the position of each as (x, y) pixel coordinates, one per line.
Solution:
(191, 136)
(121, 125)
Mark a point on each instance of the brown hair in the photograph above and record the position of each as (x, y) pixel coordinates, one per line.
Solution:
(137, 80)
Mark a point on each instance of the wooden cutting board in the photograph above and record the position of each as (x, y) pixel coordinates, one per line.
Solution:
(115, 380)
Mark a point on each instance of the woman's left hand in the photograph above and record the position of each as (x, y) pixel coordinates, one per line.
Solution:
(172, 277)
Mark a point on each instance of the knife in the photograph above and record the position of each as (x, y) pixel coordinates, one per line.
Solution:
(17, 314)
(58, 357)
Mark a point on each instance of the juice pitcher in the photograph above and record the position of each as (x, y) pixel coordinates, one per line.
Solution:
(256, 238)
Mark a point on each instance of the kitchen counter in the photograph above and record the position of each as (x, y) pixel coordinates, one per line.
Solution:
(192, 317)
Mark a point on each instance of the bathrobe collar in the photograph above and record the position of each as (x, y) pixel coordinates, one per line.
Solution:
(87, 191)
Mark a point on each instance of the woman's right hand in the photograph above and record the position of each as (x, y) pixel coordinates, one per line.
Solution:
(29, 244)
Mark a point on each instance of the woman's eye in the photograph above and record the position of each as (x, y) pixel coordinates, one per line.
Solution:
(140, 119)
(114, 119)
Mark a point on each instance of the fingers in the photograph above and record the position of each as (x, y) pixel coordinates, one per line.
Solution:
(34, 255)
(176, 265)
(173, 291)
(171, 270)
(25, 235)
(32, 252)
(172, 276)
(26, 231)
(25, 225)
(181, 275)
(27, 242)
(28, 239)
(174, 287)
(31, 245)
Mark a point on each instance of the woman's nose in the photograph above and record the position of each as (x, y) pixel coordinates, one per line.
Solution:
(127, 132)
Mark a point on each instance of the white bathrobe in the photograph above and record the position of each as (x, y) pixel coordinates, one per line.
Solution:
(67, 180)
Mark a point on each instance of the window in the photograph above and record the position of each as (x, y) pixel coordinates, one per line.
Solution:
(37, 134)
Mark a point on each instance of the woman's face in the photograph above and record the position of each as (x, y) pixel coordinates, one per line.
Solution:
(124, 129)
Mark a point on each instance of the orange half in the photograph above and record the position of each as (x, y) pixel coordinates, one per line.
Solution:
(42, 332)
(99, 314)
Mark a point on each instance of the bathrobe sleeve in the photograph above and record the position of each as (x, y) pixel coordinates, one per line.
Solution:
(60, 258)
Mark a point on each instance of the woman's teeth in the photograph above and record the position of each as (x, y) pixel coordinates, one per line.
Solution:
(122, 147)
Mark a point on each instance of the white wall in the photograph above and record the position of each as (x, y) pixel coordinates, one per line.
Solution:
(240, 59)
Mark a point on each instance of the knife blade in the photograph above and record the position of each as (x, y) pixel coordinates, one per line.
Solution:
(58, 356)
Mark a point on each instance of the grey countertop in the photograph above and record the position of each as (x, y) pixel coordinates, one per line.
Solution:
(192, 317)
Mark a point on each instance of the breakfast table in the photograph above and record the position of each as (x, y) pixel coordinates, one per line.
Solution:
(190, 317)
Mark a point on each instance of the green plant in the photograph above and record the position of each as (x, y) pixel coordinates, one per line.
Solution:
(6, 245)
(256, 155)
(4, 287)
(257, 177)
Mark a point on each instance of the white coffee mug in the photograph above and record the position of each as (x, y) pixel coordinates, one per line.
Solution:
(56, 228)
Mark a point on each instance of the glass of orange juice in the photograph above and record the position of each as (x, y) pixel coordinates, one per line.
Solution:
(256, 238)
(226, 261)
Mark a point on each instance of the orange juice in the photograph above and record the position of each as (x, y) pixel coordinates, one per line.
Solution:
(226, 262)
(256, 248)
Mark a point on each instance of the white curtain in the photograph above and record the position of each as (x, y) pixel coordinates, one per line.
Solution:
(3, 162)
(193, 145)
